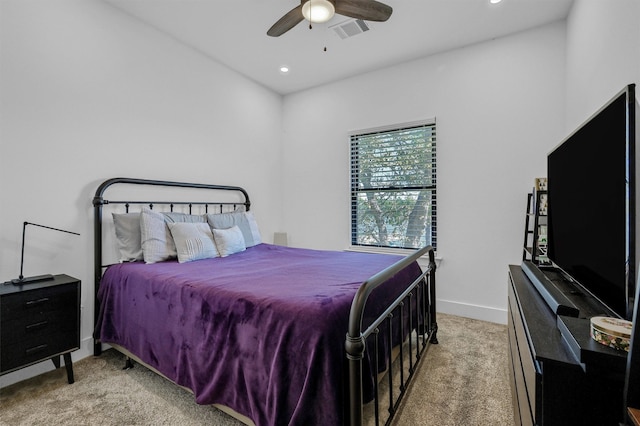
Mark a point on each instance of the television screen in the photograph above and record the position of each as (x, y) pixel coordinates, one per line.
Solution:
(591, 222)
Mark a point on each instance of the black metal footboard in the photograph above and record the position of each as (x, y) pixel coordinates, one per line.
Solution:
(419, 299)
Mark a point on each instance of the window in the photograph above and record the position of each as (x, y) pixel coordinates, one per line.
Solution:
(393, 186)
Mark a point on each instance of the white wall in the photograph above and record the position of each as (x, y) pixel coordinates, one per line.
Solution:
(603, 54)
(88, 93)
(499, 107)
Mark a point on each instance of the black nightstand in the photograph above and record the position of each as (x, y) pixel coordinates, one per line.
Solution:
(39, 321)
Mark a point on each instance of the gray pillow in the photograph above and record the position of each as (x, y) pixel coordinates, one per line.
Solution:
(127, 227)
(243, 220)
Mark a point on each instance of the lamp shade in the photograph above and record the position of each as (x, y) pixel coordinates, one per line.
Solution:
(318, 11)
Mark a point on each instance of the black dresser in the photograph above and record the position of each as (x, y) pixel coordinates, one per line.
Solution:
(559, 375)
(39, 321)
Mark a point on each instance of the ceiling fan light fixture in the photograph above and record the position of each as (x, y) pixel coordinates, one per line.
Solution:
(318, 11)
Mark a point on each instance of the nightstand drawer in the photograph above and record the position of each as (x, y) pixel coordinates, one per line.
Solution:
(34, 329)
(43, 344)
(39, 303)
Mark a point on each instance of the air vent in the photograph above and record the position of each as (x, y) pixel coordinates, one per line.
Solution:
(350, 28)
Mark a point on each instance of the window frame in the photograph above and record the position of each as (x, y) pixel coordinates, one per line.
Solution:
(354, 135)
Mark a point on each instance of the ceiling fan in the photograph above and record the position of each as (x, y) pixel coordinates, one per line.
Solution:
(317, 11)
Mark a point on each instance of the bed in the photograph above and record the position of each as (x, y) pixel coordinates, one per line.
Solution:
(273, 335)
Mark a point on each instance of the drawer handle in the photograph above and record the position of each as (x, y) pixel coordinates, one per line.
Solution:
(31, 303)
(36, 349)
(36, 325)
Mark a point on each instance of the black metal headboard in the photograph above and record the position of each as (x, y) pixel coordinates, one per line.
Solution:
(99, 201)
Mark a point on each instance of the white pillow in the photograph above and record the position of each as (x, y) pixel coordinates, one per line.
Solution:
(244, 220)
(253, 228)
(194, 241)
(127, 227)
(157, 243)
(229, 241)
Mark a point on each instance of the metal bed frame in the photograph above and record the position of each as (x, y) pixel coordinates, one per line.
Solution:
(419, 298)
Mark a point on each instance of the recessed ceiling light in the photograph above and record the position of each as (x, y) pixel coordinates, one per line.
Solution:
(494, 1)
(284, 69)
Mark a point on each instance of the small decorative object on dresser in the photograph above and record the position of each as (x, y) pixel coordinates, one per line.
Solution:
(39, 321)
(613, 332)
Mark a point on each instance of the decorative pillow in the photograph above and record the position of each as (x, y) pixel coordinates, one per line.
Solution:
(253, 228)
(229, 241)
(157, 243)
(171, 217)
(243, 220)
(127, 226)
(194, 241)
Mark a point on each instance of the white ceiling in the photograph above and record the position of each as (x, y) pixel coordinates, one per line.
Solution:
(233, 32)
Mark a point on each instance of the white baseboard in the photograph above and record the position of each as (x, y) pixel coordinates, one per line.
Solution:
(483, 313)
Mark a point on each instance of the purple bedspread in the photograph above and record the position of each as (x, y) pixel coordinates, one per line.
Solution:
(260, 331)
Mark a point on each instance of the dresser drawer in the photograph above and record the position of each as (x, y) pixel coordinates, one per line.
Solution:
(530, 369)
(523, 405)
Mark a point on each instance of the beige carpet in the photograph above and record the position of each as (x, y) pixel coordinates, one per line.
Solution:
(462, 381)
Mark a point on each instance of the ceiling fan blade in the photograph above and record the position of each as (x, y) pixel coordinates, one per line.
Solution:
(368, 10)
(288, 21)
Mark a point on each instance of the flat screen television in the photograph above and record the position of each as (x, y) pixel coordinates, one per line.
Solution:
(592, 204)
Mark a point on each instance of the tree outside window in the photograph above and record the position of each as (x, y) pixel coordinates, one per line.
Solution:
(393, 187)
